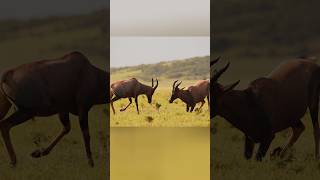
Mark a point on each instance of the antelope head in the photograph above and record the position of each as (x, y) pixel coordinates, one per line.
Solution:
(218, 90)
(175, 91)
(152, 90)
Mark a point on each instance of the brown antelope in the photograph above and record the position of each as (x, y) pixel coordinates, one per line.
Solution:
(131, 88)
(192, 95)
(271, 104)
(60, 86)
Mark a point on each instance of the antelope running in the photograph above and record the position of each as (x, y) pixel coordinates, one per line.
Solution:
(131, 88)
(65, 85)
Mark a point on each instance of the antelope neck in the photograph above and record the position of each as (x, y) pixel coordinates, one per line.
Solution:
(145, 88)
(232, 107)
(241, 110)
(185, 96)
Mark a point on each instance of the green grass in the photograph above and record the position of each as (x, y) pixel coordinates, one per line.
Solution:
(67, 160)
(159, 114)
(228, 161)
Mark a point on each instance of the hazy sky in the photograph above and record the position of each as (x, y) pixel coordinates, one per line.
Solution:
(128, 51)
(41, 8)
(160, 17)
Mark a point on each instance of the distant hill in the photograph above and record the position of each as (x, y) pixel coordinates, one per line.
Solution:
(37, 8)
(265, 29)
(23, 41)
(188, 69)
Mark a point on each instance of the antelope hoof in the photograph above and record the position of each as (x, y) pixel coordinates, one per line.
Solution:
(90, 162)
(276, 152)
(122, 110)
(258, 158)
(13, 164)
(37, 153)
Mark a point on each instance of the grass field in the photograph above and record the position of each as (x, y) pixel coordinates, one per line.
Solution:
(67, 160)
(160, 113)
(228, 162)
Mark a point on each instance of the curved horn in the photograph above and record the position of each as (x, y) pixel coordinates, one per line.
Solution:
(174, 83)
(214, 61)
(231, 86)
(152, 82)
(155, 87)
(178, 84)
(219, 73)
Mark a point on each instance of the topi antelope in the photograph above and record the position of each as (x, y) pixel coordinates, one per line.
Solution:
(192, 95)
(271, 104)
(131, 88)
(65, 85)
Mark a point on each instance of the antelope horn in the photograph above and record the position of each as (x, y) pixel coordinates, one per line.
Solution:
(215, 61)
(178, 84)
(219, 73)
(152, 82)
(155, 87)
(174, 83)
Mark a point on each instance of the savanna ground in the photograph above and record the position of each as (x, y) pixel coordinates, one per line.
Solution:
(255, 36)
(24, 41)
(67, 160)
(228, 160)
(160, 113)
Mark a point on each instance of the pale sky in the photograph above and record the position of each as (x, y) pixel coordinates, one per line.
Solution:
(129, 51)
(160, 17)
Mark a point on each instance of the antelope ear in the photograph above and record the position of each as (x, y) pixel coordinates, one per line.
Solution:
(230, 86)
(182, 88)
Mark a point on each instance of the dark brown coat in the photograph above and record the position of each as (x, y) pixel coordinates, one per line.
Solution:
(69, 84)
(131, 88)
(192, 95)
(271, 104)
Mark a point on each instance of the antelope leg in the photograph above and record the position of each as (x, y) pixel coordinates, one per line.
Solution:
(136, 101)
(5, 126)
(64, 119)
(297, 130)
(192, 107)
(130, 101)
(83, 120)
(202, 103)
(248, 148)
(263, 148)
(314, 110)
(111, 102)
(113, 110)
